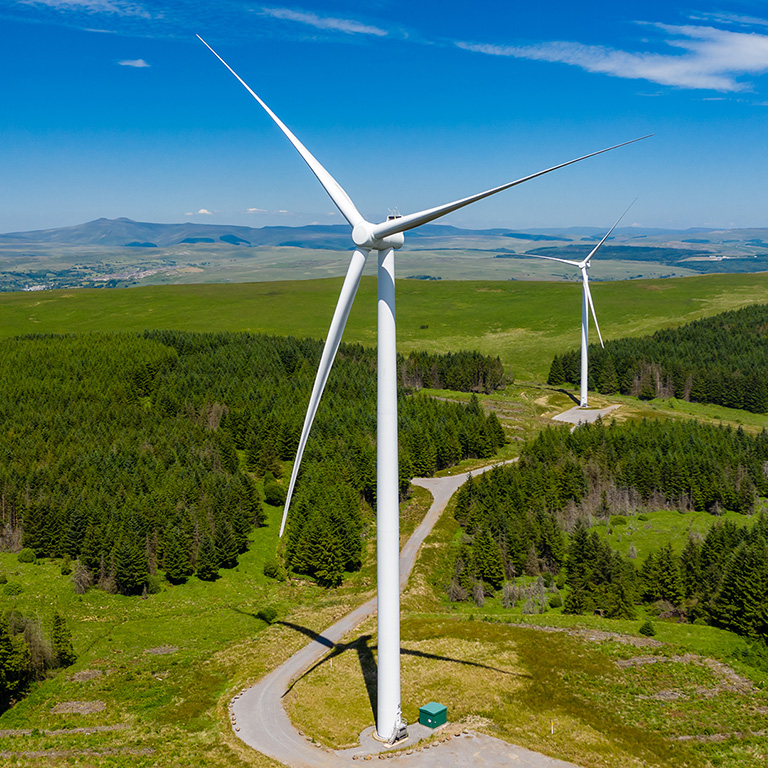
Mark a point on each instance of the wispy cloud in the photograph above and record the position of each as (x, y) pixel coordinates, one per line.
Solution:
(711, 58)
(730, 18)
(349, 26)
(138, 63)
(117, 7)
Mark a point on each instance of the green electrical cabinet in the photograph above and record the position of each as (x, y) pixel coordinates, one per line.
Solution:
(433, 714)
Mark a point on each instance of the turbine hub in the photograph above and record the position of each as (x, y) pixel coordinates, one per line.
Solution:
(362, 236)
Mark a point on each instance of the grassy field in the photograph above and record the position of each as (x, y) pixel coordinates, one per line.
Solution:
(524, 323)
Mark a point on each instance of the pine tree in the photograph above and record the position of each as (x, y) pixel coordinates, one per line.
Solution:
(176, 560)
(226, 546)
(619, 601)
(556, 373)
(61, 639)
(690, 567)
(207, 560)
(131, 566)
(668, 583)
(742, 602)
(487, 559)
(76, 529)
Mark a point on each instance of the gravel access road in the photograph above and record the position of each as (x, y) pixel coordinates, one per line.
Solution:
(261, 721)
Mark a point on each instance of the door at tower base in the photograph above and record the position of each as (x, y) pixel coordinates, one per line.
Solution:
(433, 714)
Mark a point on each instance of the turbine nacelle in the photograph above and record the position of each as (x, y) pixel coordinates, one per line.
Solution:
(363, 237)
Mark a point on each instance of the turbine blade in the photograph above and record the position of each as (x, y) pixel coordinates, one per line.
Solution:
(331, 186)
(608, 234)
(553, 258)
(591, 303)
(340, 315)
(412, 220)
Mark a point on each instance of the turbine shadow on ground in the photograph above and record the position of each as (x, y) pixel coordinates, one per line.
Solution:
(568, 394)
(361, 646)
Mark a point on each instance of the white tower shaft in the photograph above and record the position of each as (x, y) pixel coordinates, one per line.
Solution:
(584, 344)
(387, 507)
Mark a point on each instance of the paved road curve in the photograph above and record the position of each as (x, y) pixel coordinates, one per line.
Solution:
(265, 726)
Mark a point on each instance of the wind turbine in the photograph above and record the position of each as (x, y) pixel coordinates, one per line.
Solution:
(384, 238)
(586, 301)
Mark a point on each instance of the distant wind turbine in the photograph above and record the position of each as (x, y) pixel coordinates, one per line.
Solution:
(586, 301)
(384, 238)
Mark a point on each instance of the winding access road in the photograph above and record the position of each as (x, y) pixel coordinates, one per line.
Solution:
(261, 721)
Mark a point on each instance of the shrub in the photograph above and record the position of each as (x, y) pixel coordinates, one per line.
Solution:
(268, 614)
(274, 494)
(66, 566)
(556, 601)
(3, 578)
(618, 520)
(642, 517)
(647, 628)
(273, 569)
(27, 555)
(13, 588)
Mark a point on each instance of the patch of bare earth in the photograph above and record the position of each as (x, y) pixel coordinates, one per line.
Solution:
(730, 681)
(78, 708)
(162, 649)
(65, 731)
(598, 636)
(55, 753)
(85, 675)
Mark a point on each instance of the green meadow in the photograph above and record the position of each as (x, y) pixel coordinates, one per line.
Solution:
(525, 323)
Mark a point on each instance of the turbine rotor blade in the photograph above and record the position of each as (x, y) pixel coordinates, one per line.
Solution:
(591, 303)
(340, 315)
(331, 186)
(553, 258)
(608, 234)
(411, 220)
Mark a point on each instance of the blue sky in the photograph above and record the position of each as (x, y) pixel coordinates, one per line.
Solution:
(113, 108)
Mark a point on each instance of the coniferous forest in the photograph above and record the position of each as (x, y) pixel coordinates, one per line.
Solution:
(515, 518)
(133, 453)
(720, 360)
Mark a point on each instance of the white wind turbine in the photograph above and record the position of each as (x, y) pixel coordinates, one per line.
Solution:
(586, 301)
(384, 238)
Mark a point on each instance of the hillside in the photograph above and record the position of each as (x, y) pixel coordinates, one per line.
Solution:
(121, 252)
(513, 320)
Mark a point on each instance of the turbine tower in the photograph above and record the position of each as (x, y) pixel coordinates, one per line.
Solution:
(384, 238)
(586, 305)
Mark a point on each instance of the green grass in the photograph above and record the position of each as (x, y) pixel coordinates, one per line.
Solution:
(660, 527)
(514, 320)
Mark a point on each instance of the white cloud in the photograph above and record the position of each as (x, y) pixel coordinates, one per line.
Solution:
(712, 58)
(138, 63)
(256, 210)
(201, 212)
(117, 7)
(730, 18)
(324, 22)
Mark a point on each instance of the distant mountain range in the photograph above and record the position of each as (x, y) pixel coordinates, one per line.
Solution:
(125, 232)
